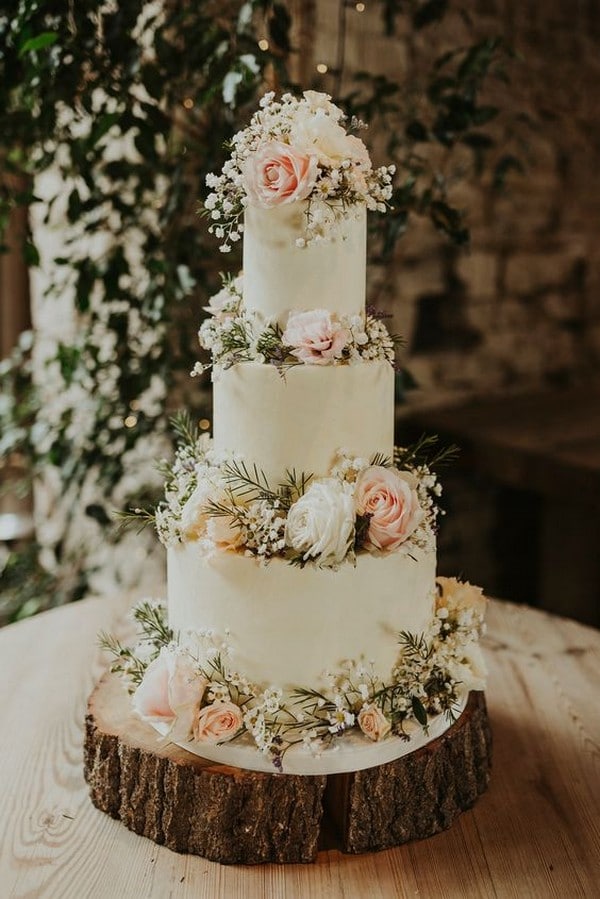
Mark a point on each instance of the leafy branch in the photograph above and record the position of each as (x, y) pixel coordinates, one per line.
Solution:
(152, 621)
(185, 428)
(137, 519)
(425, 452)
(126, 662)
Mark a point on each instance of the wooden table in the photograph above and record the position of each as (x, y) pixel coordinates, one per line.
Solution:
(536, 833)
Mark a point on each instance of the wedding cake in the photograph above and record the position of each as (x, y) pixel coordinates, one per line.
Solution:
(305, 630)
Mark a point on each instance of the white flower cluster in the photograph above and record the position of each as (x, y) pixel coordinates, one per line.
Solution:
(263, 528)
(321, 163)
(233, 334)
(181, 482)
(450, 661)
(218, 503)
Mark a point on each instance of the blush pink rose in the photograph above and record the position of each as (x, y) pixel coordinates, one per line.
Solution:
(217, 723)
(224, 531)
(389, 497)
(316, 339)
(170, 692)
(278, 174)
(373, 722)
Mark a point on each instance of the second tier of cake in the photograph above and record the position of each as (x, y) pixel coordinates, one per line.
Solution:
(299, 418)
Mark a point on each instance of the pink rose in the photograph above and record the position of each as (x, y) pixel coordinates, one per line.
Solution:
(389, 497)
(316, 338)
(278, 174)
(225, 532)
(170, 692)
(373, 722)
(217, 723)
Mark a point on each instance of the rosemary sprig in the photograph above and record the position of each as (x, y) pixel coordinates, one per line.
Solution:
(421, 453)
(248, 482)
(293, 487)
(313, 701)
(152, 621)
(185, 428)
(380, 459)
(415, 646)
(134, 518)
(125, 661)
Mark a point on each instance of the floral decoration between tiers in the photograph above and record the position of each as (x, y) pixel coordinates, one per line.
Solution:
(187, 682)
(296, 149)
(222, 504)
(314, 337)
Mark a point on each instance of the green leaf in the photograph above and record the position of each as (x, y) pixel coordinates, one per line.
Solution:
(419, 711)
(484, 114)
(30, 254)
(449, 220)
(279, 27)
(46, 39)
(430, 12)
(98, 513)
(417, 131)
(102, 125)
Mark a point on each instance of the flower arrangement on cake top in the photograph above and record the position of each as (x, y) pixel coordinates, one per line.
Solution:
(293, 150)
(233, 334)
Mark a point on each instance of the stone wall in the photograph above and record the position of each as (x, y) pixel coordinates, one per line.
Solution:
(521, 308)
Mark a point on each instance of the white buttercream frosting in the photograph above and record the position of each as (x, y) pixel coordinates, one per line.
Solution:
(280, 276)
(288, 626)
(300, 418)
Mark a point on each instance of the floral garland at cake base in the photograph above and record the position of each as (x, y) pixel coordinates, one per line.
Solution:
(186, 685)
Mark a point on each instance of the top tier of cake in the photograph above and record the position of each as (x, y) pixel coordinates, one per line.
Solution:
(281, 276)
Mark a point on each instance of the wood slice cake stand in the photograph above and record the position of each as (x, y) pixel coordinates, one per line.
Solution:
(236, 816)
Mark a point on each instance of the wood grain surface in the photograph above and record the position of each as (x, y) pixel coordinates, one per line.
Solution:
(535, 833)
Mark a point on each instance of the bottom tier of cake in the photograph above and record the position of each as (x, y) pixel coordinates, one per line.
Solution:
(288, 627)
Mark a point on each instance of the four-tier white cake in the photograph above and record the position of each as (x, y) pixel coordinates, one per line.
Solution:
(306, 631)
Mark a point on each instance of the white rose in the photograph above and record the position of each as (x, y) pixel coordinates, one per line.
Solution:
(320, 524)
(224, 300)
(318, 100)
(471, 670)
(316, 132)
(193, 518)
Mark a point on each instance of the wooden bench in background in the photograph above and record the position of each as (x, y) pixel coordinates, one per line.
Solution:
(548, 443)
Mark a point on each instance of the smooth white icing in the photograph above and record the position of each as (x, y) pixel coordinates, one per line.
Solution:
(302, 418)
(280, 276)
(287, 626)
